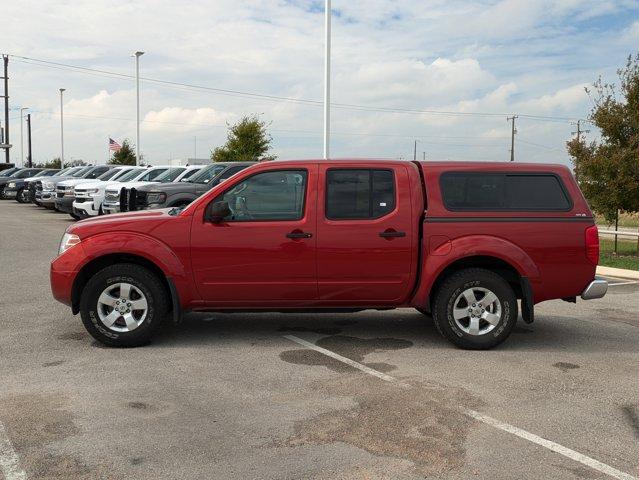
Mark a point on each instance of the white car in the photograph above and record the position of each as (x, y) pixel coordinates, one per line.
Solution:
(111, 203)
(88, 197)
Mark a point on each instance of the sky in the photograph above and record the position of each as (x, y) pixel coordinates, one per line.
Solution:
(446, 73)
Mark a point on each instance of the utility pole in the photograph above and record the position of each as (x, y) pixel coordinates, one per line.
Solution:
(327, 78)
(512, 137)
(29, 140)
(5, 60)
(137, 108)
(424, 156)
(22, 109)
(415, 151)
(579, 130)
(61, 129)
(194, 147)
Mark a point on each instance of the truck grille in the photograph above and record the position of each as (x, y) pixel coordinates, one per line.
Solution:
(38, 186)
(112, 196)
(59, 192)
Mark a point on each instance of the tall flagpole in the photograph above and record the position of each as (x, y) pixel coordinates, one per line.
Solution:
(327, 78)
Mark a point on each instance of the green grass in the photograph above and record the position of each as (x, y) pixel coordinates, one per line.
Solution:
(627, 255)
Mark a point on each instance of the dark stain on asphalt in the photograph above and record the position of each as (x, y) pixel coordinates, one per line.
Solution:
(73, 336)
(631, 412)
(36, 421)
(54, 363)
(138, 405)
(422, 424)
(320, 330)
(519, 329)
(137, 461)
(350, 347)
(97, 344)
(565, 366)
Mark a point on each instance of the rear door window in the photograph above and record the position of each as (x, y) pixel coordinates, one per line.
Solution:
(359, 194)
(478, 191)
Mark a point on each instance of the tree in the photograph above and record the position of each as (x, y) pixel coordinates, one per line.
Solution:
(53, 163)
(608, 171)
(247, 140)
(124, 156)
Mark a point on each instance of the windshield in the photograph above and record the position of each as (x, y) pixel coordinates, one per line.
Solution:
(8, 172)
(189, 174)
(81, 172)
(25, 173)
(108, 174)
(207, 174)
(64, 171)
(170, 175)
(131, 174)
(48, 173)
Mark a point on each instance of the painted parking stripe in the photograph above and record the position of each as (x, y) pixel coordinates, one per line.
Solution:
(555, 447)
(9, 461)
(621, 283)
(531, 437)
(345, 360)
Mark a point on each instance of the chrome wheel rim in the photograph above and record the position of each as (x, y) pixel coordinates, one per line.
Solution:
(122, 307)
(477, 311)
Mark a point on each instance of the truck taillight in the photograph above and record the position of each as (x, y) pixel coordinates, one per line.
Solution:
(592, 244)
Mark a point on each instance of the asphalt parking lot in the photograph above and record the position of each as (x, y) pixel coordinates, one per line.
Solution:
(376, 395)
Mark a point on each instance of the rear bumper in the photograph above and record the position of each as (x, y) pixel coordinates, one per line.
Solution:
(595, 289)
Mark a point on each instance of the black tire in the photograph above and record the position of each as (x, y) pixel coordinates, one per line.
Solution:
(450, 292)
(20, 196)
(141, 278)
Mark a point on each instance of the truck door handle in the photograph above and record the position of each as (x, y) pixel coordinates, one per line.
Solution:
(390, 233)
(298, 234)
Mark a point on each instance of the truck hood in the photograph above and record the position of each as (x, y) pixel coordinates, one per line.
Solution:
(75, 181)
(130, 185)
(170, 188)
(139, 221)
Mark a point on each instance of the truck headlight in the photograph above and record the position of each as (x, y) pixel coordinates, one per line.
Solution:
(68, 241)
(48, 186)
(93, 192)
(12, 184)
(155, 197)
(69, 191)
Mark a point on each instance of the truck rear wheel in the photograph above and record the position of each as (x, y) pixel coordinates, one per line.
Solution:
(475, 309)
(123, 305)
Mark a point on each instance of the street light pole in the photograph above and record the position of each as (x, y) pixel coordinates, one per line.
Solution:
(327, 78)
(61, 128)
(22, 109)
(137, 106)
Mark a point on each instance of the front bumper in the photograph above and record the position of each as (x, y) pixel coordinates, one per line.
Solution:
(109, 207)
(85, 207)
(595, 289)
(10, 193)
(64, 204)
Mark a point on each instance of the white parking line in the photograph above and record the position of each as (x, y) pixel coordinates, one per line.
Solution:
(531, 437)
(621, 283)
(9, 461)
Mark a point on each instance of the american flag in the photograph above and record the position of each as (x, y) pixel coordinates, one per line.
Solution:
(113, 145)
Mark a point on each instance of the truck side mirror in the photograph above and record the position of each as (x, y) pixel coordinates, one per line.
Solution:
(217, 211)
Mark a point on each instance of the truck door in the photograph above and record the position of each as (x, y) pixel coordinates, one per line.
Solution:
(265, 250)
(365, 234)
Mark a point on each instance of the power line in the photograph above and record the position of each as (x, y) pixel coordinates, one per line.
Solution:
(277, 98)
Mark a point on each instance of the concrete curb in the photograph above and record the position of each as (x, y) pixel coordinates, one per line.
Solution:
(618, 272)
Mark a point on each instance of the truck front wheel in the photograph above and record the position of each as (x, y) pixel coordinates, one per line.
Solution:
(123, 305)
(475, 309)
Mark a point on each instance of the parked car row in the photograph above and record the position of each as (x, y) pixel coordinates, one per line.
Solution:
(89, 191)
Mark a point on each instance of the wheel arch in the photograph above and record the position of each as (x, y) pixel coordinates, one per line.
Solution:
(98, 263)
(488, 262)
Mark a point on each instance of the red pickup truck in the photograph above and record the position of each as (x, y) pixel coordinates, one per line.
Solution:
(459, 241)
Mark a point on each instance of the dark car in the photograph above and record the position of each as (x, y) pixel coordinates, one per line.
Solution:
(19, 188)
(8, 171)
(180, 194)
(20, 174)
